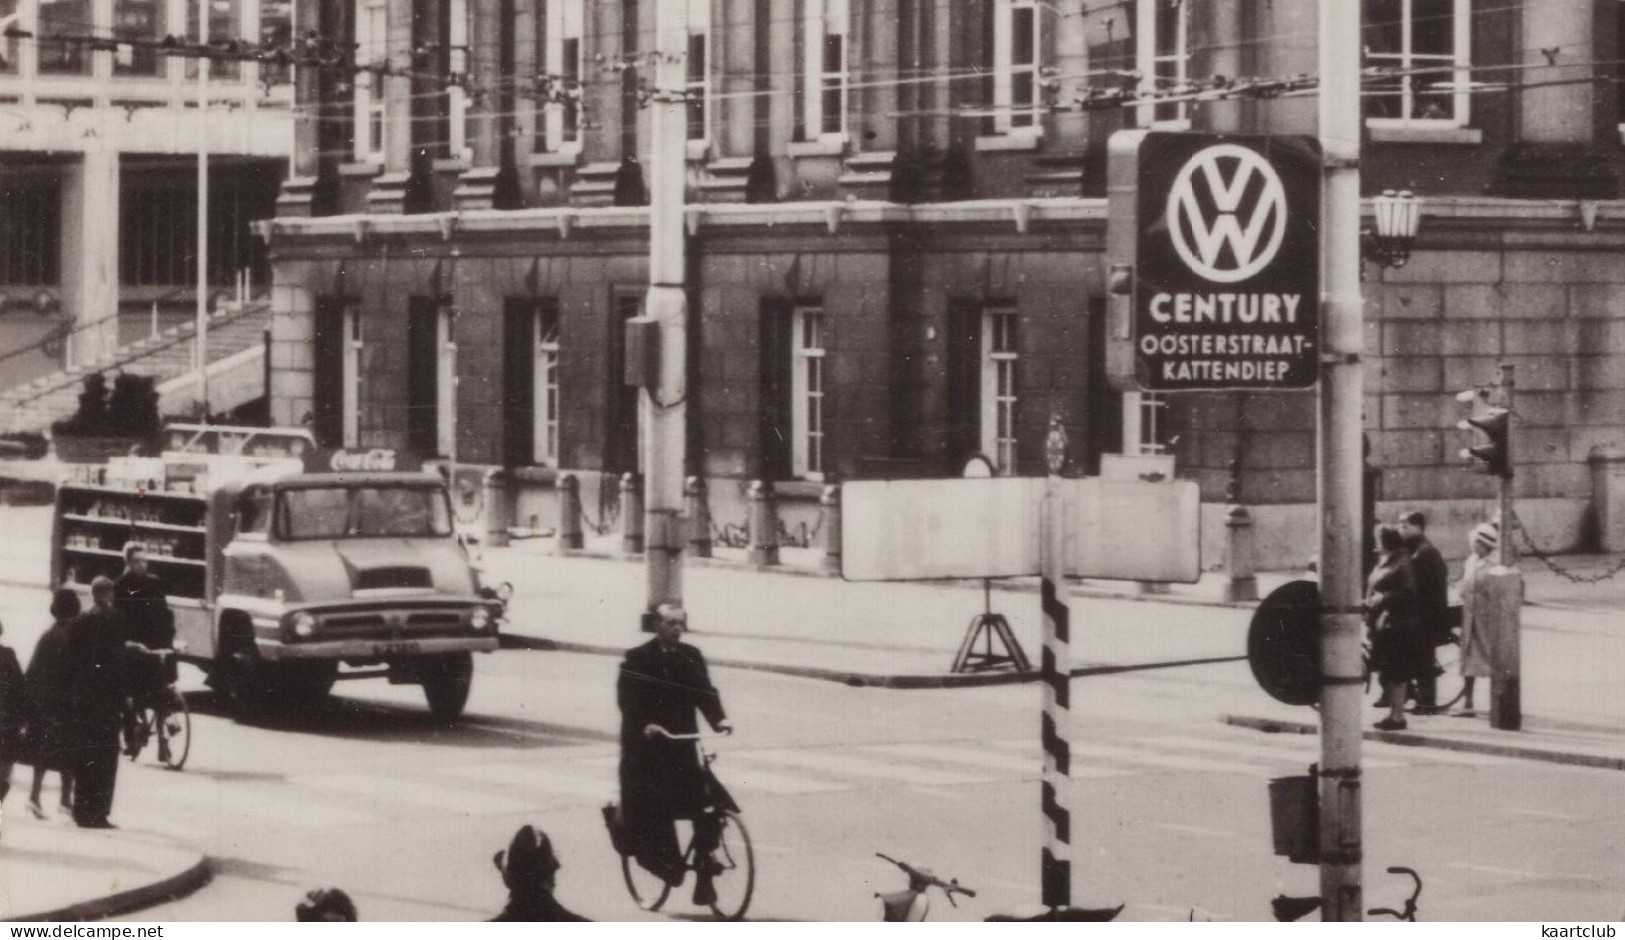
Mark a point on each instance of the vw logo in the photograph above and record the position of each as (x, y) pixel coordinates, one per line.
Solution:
(1227, 213)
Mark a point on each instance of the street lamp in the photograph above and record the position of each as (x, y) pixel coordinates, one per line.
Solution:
(1397, 217)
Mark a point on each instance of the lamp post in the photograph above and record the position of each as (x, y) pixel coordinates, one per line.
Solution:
(202, 322)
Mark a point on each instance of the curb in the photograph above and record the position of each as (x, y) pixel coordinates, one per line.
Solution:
(162, 891)
(864, 679)
(1422, 739)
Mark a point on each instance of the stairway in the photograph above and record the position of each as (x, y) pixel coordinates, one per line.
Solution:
(234, 331)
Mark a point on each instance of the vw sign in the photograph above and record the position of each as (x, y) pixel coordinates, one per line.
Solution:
(1221, 233)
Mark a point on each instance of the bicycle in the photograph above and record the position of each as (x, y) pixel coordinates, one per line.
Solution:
(731, 863)
(163, 715)
(1289, 908)
(911, 904)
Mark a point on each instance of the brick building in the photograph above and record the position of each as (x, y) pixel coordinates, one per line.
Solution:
(896, 220)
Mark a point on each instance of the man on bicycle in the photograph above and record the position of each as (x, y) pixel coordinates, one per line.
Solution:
(141, 598)
(663, 683)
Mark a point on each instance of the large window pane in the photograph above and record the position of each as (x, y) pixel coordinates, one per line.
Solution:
(8, 47)
(276, 29)
(225, 25)
(64, 18)
(141, 20)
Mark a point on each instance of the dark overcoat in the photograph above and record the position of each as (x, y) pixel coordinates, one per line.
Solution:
(142, 600)
(662, 779)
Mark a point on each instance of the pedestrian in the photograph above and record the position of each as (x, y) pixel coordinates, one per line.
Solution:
(1432, 602)
(530, 869)
(326, 905)
(48, 695)
(1475, 627)
(1399, 652)
(97, 698)
(662, 684)
(140, 596)
(13, 715)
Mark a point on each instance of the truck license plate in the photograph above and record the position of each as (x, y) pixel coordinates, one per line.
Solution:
(398, 647)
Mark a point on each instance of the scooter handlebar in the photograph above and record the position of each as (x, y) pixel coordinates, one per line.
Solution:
(926, 879)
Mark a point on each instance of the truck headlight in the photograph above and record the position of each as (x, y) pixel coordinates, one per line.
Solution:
(303, 624)
(480, 618)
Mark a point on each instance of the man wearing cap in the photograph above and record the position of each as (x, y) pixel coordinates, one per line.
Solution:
(662, 684)
(1432, 599)
(530, 869)
(1475, 627)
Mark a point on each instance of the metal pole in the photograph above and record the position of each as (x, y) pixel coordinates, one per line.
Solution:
(1506, 684)
(1340, 466)
(1055, 672)
(1507, 553)
(662, 403)
(202, 341)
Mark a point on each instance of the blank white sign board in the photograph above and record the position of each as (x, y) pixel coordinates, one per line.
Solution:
(909, 530)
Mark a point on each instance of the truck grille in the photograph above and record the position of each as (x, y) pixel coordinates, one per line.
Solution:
(376, 623)
(393, 576)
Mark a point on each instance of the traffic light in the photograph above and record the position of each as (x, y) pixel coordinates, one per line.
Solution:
(1494, 456)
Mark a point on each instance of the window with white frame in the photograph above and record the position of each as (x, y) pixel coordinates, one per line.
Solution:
(807, 393)
(999, 358)
(458, 62)
(565, 25)
(350, 382)
(545, 374)
(1420, 52)
(1017, 62)
(445, 400)
(1163, 51)
(1144, 424)
(827, 37)
(372, 55)
(697, 84)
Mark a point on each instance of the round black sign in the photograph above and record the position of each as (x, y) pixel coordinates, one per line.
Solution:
(1283, 643)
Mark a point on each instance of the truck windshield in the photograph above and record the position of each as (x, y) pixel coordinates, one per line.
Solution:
(336, 512)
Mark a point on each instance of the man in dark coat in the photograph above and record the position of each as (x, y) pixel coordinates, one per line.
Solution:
(1432, 599)
(141, 598)
(530, 869)
(663, 683)
(97, 691)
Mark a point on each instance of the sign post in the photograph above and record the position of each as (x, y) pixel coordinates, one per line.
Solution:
(1055, 674)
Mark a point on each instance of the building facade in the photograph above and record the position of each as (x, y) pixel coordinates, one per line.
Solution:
(98, 178)
(896, 223)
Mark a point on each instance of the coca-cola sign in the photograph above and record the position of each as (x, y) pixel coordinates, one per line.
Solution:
(378, 458)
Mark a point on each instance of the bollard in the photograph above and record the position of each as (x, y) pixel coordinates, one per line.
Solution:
(831, 503)
(699, 518)
(1501, 593)
(569, 512)
(498, 514)
(631, 514)
(764, 524)
(1243, 581)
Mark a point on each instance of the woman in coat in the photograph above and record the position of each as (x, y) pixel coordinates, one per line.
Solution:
(1475, 631)
(1399, 652)
(48, 694)
(13, 714)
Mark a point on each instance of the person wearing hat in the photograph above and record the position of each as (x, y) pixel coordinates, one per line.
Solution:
(662, 684)
(530, 869)
(1475, 628)
(326, 905)
(1432, 601)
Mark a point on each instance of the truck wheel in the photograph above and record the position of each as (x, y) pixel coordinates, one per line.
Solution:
(239, 676)
(446, 682)
(307, 684)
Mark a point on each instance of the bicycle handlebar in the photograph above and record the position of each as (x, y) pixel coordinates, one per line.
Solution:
(926, 879)
(657, 731)
(161, 652)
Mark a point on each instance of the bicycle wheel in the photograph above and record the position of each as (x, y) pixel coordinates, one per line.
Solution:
(737, 879)
(174, 723)
(1449, 685)
(648, 891)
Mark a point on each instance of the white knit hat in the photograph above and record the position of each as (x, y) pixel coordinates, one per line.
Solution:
(1488, 534)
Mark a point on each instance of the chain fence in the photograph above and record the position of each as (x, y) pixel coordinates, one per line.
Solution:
(1547, 559)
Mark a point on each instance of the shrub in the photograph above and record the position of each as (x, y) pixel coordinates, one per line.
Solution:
(91, 418)
(132, 409)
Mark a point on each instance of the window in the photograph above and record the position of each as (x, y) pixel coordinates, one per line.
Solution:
(64, 18)
(372, 55)
(446, 381)
(331, 512)
(276, 31)
(697, 20)
(1420, 51)
(807, 393)
(998, 358)
(350, 402)
(431, 377)
(10, 15)
(1017, 41)
(140, 20)
(562, 126)
(225, 25)
(254, 511)
(827, 48)
(546, 377)
(458, 65)
(1163, 49)
(30, 227)
(1144, 427)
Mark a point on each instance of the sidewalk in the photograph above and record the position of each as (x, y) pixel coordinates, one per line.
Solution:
(906, 635)
(52, 871)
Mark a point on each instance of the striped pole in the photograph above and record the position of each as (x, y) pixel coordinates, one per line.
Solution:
(1056, 676)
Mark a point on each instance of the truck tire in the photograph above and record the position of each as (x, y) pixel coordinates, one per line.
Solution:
(239, 676)
(307, 684)
(446, 682)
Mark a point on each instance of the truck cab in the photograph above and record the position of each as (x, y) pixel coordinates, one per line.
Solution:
(279, 577)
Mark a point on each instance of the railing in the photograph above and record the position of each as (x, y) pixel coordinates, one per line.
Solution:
(55, 336)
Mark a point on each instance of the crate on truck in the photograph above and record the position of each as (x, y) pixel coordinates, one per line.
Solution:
(280, 571)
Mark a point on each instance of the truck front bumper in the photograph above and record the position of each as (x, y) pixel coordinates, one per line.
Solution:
(378, 649)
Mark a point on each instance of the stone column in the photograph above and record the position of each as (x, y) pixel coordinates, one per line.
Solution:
(89, 245)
